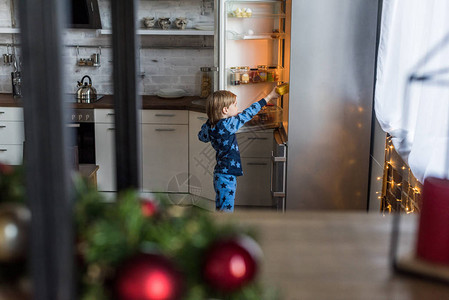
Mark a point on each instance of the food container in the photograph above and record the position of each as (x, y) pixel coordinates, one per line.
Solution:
(254, 75)
(206, 82)
(235, 76)
(282, 89)
(262, 72)
(273, 74)
(270, 116)
(245, 75)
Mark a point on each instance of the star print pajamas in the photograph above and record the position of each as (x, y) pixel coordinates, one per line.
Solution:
(225, 187)
(223, 140)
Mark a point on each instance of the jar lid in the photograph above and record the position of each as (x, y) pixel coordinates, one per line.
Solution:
(244, 68)
(205, 69)
(253, 69)
(235, 68)
(272, 67)
(262, 66)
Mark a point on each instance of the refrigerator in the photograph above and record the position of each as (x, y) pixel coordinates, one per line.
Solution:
(326, 50)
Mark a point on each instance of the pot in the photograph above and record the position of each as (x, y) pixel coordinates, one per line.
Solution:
(181, 23)
(164, 23)
(86, 92)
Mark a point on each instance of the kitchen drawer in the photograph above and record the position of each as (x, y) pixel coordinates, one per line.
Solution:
(255, 143)
(180, 117)
(104, 116)
(11, 154)
(253, 188)
(11, 133)
(11, 114)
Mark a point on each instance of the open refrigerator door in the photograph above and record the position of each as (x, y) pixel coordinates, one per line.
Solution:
(251, 56)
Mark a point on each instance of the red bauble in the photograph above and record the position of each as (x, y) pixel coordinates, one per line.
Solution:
(149, 207)
(149, 277)
(232, 263)
(6, 169)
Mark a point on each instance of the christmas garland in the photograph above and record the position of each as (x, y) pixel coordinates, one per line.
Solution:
(147, 249)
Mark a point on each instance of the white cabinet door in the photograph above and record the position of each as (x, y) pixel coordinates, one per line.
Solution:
(201, 159)
(105, 156)
(253, 188)
(165, 158)
(11, 154)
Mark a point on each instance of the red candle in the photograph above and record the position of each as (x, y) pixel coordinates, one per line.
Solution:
(433, 233)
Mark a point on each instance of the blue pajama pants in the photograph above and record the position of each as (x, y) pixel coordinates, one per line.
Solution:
(225, 187)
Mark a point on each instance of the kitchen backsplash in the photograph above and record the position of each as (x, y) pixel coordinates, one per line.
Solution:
(176, 67)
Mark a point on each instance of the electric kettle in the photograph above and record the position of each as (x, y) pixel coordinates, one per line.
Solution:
(86, 92)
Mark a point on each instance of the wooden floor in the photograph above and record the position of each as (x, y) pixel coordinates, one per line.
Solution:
(335, 256)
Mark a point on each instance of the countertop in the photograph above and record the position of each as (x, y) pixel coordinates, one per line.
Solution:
(335, 256)
(194, 103)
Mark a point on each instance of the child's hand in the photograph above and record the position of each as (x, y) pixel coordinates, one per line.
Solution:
(272, 95)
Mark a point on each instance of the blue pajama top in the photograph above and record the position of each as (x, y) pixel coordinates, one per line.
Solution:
(223, 139)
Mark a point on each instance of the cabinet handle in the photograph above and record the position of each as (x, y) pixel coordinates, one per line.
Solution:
(2, 126)
(111, 114)
(3, 150)
(164, 115)
(73, 125)
(256, 164)
(202, 118)
(2, 112)
(257, 138)
(111, 128)
(165, 129)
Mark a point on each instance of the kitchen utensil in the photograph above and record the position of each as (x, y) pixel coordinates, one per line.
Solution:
(164, 23)
(149, 22)
(16, 80)
(86, 92)
(181, 23)
(8, 57)
(96, 58)
(171, 93)
(204, 26)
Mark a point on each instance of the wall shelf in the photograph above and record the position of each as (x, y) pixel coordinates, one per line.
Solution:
(9, 30)
(166, 32)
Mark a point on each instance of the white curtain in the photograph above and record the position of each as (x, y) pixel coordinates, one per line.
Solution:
(415, 40)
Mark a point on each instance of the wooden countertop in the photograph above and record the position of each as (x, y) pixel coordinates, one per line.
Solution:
(335, 256)
(107, 101)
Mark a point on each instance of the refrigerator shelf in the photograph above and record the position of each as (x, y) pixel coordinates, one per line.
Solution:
(257, 36)
(256, 1)
(256, 15)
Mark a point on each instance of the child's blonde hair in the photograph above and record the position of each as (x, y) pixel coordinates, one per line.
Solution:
(215, 104)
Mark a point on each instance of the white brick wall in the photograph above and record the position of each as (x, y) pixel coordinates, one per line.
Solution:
(176, 68)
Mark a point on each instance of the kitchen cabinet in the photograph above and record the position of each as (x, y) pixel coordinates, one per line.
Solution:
(201, 160)
(165, 151)
(253, 188)
(105, 149)
(11, 135)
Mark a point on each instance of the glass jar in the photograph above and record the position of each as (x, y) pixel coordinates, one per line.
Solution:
(235, 76)
(206, 82)
(245, 75)
(262, 72)
(272, 74)
(254, 75)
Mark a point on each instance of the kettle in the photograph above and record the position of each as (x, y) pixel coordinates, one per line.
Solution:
(86, 92)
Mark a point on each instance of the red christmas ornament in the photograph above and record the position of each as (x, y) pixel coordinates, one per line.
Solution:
(232, 263)
(149, 207)
(149, 277)
(6, 169)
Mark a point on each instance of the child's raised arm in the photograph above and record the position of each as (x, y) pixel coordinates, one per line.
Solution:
(234, 123)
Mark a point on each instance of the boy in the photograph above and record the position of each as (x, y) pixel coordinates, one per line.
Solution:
(224, 121)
